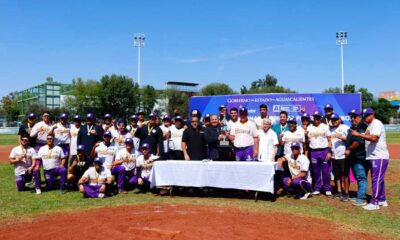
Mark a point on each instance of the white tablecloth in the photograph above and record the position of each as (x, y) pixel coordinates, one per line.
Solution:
(256, 176)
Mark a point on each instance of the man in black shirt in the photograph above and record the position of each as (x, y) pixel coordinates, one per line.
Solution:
(213, 135)
(193, 143)
(355, 153)
(89, 134)
(26, 129)
(151, 134)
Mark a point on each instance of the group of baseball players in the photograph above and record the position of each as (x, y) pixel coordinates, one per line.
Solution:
(97, 155)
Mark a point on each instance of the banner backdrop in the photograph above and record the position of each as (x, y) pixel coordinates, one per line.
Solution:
(289, 102)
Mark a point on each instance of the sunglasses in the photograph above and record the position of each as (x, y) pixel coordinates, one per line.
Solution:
(195, 121)
(24, 139)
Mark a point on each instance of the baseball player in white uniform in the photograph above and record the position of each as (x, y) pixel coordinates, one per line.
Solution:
(126, 158)
(294, 134)
(94, 181)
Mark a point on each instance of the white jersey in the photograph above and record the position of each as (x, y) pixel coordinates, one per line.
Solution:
(244, 133)
(97, 178)
(140, 164)
(259, 122)
(175, 142)
(108, 128)
(62, 134)
(301, 164)
(51, 158)
(136, 141)
(106, 153)
(165, 130)
(74, 140)
(268, 140)
(318, 136)
(129, 159)
(119, 139)
(229, 125)
(378, 149)
(289, 137)
(27, 155)
(41, 130)
(338, 145)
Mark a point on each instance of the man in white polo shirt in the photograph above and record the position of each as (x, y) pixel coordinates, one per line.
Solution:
(244, 136)
(268, 144)
(378, 155)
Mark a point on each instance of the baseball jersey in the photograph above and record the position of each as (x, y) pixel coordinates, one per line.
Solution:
(129, 159)
(74, 139)
(268, 140)
(27, 154)
(107, 153)
(301, 164)
(165, 130)
(145, 173)
(338, 145)
(176, 138)
(136, 141)
(40, 129)
(62, 134)
(318, 136)
(229, 124)
(289, 137)
(119, 138)
(378, 149)
(244, 133)
(51, 158)
(259, 121)
(97, 178)
(108, 128)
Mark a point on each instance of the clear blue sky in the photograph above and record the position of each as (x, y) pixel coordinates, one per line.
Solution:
(234, 42)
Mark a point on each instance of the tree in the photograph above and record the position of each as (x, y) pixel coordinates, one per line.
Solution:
(216, 89)
(85, 96)
(348, 88)
(367, 98)
(177, 100)
(148, 97)
(9, 105)
(49, 79)
(269, 84)
(383, 110)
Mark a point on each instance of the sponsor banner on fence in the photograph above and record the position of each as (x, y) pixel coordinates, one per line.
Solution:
(293, 104)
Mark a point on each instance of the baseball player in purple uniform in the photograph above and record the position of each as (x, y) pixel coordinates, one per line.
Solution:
(299, 181)
(94, 181)
(108, 123)
(377, 155)
(22, 157)
(126, 158)
(319, 137)
(144, 165)
(62, 135)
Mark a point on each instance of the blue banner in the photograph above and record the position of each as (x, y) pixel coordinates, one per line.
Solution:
(293, 103)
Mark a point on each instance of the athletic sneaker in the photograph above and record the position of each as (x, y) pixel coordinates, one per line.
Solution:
(328, 193)
(353, 199)
(316, 193)
(337, 195)
(344, 198)
(101, 195)
(305, 196)
(383, 204)
(38, 191)
(371, 207)
(360, 202)
(122, 191)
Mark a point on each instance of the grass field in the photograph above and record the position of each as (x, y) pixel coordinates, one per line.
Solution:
(393, 137)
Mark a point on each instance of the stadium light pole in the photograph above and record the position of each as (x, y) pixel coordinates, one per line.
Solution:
(341, 40)
(138, 42)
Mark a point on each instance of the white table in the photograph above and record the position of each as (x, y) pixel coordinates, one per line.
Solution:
(256, 176)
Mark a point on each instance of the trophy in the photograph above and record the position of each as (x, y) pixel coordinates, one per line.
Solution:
(223, 142)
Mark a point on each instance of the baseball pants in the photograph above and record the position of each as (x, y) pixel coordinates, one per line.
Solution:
(50, 176)
(321, 169)
(378, 172)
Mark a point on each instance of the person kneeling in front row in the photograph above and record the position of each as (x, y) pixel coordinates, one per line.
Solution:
(299, 183)
(144, 165)
(94, 180)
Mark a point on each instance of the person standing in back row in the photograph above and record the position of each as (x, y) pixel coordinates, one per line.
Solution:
(193, 143)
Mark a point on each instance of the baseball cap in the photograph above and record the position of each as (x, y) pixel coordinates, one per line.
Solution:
(81, 147)
(152, 115)
(317, 114)
(263, 106)
(328, 106)
(25, 136)
(354, 112)
(134, 117)
(295, 145)
(166, 117)
(196, 113)
(107, 134)
(107, 115)
(243, 110)
(292, 120)
(46, 114)
(305, 115)
(129, 140)
(77, 117)
(90, 116)
(98, 160)
(221, 107)
(140, 112)
(146, 145)
(335, 116)
(31, 115)
(178, 118)
(368, 111)
(207, 116)
(63, 116)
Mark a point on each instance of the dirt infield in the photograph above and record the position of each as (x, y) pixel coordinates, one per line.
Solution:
(176, 222)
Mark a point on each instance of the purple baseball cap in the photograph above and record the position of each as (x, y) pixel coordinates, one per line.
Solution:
(305, 115)
(328, 106)
(107, 115)
(166, 117)
(128, 140)
(140, 112)
(178, 118)
(368, 111)
(77, 117)
(90, 116)
(146, 145)
(63, 116)
(242, 110)
(107, 134)
(292, 120)
(335, 116)
(295, 145)
(355, 112)
(207, 116)
(317, 114)
(196, 113)
(134, 117)
(31, 115)
(81, 147)
(152, 115)
(98, 160)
